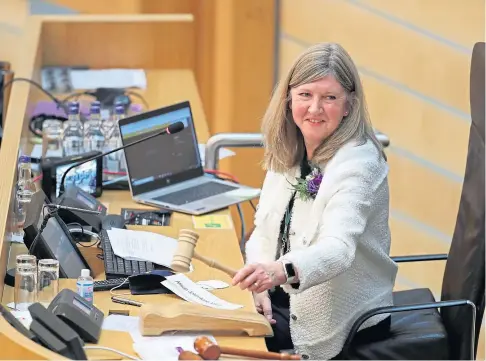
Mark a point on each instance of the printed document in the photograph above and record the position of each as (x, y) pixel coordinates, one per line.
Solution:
(142, 246)
(185, 288)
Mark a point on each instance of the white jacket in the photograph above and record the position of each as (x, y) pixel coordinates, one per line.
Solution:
(340, 245)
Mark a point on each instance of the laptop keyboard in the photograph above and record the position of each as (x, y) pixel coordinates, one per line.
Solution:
(196, 193)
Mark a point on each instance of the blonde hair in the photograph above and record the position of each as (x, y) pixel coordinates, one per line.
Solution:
(283, 140)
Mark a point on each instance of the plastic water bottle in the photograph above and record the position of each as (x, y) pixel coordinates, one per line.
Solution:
(84, 286)
(93, 136)
(114, 161)
(25, 189)
(73, 132)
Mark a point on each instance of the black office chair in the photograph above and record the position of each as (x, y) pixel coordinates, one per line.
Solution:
(418, 330)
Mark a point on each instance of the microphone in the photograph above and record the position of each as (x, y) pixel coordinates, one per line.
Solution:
(171, 129)
(57, 206)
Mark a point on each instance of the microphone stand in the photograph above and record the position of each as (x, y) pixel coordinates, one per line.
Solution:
(171, 129)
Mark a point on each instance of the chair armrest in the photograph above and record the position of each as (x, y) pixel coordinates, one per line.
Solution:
(412, 307)
(420, 258)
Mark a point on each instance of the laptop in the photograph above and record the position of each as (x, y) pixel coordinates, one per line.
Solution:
(167, 171)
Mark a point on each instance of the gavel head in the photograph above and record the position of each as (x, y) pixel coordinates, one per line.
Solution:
(181, 260)
(206, 348)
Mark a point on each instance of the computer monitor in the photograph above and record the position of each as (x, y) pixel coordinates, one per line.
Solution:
(55, 241)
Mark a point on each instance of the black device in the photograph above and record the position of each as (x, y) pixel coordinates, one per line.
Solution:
(75, 197)
(89, 177)
(106, 285)
(146, 217)
(171, 129)
(54, 334)
(78, 314)
(55, 241)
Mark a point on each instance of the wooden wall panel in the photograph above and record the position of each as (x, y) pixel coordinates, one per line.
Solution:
(144, 44)
(400, 54)
(101, 6)
(12, 18)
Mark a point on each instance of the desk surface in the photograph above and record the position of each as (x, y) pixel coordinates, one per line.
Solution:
(168, 87)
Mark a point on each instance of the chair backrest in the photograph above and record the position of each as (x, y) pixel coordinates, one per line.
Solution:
(464, 274)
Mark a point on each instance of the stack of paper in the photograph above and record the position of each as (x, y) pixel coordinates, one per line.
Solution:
(142, 246)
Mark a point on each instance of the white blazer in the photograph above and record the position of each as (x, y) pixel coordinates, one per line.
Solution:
(340, 245)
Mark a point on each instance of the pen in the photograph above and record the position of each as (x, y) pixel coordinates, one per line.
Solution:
(125, 301)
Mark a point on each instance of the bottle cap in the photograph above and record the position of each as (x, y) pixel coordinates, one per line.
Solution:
(119, 109)
(24, 159)
(85, 273)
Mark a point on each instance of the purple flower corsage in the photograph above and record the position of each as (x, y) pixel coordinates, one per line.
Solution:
(307, 188)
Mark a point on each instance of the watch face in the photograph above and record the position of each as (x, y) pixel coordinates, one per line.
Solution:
(290, 270)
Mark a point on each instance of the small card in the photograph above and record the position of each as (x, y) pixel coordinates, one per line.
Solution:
(217, 221)
(210, 285)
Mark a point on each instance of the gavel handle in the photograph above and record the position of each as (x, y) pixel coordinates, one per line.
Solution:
(258, 354)
(213, 264)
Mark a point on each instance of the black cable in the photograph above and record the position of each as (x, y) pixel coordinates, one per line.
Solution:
(252, 205)
(59, 103)
(79, 224)
(136, 95)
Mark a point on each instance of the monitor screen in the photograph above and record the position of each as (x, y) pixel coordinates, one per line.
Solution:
(164, 160)
(62, 248)
(83, 176)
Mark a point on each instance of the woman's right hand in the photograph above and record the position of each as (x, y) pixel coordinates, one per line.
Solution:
(264, 305)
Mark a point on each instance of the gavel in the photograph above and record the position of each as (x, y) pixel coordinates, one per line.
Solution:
(208, 350)
(185, 253)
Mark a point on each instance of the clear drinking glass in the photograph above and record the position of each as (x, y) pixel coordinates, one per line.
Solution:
(52, 138)
(47, 280)
(25, 292)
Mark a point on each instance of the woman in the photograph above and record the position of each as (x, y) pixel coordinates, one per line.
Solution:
(318, 257)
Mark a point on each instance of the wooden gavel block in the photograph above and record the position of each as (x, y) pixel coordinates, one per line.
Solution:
(208, 350)
(185, 252)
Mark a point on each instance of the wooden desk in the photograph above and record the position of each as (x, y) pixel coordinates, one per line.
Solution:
(167, 84)
(220, 244)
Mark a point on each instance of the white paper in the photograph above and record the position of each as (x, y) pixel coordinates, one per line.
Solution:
(210, 285)
(223, 153)
(141, 245)
(165, 347)
(108, 78)
(185, 288)
(121, 323)
(24, 317)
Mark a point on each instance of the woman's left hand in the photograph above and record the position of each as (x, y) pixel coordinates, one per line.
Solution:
(259, 277)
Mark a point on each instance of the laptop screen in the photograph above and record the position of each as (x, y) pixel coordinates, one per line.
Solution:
(163, 160)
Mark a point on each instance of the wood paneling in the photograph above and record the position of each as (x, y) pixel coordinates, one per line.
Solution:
(442, 17)
(145, 43)
(101, 6)
(12, 19)
(407, 57)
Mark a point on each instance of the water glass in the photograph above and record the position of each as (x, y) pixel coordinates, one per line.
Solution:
(47, 280)
(25, 292)
(52, 138)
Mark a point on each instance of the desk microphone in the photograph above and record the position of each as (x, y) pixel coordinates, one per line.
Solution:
(171, 129)
(57, 206)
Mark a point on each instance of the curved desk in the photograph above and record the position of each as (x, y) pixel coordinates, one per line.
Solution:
(166, 85)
